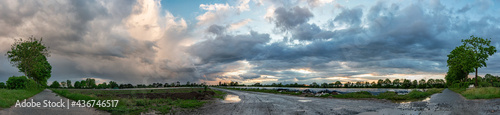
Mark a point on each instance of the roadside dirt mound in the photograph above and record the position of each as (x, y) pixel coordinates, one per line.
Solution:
(206, 95)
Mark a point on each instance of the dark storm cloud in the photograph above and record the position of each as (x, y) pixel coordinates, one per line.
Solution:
(310, 32)
(216, 29)
(244, 77)
(88, 39)
(351, 17)
(464, 9)
(229, 48)
(398, 40)
(289, 18)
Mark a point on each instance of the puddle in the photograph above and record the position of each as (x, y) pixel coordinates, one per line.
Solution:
(407, 102)
(304, 100)
(231, 99)
(406, 105)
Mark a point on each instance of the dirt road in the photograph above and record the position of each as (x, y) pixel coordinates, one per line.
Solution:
(256, 103)
(445, 103)
(50, 96)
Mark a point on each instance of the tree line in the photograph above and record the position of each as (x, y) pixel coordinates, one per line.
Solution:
(90, 83)
(387, 83)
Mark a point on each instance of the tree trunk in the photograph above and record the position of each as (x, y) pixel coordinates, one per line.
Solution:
(476, 78)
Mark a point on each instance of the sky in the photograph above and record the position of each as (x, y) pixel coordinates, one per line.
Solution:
(248, 41)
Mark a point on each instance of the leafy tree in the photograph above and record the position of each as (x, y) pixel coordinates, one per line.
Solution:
(90, 83)
(431, 83)
(470, 56)
(2, 85)
(422, 84)
(414, 83)
(387, 82)
(55, 84)
(324, 85)
(113, 84)
(338, 84)
(396, 82)
(68, 82)
(406, 83)
(329, 85)
(78, 84)
(84, 84)
(347, 85)
(315, 85)
(17, 82)
(380, 82)
(104, 85)
(63, 84)
(30, 57)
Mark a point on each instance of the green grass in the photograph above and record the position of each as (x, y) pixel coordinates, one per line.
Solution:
(137, 105)
(361, 94)
(479, 93)
(219, 94)
(9, 97)
(412, 96)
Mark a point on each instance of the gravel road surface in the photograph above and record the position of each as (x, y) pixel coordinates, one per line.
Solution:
(256, 103)
(48, 95)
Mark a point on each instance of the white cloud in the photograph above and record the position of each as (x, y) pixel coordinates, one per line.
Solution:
(218, 13)
(143, 25)
(239, 24)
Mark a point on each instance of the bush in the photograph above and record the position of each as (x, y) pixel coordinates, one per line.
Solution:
(2, 85)
(418, 94)
(31, 84)
(55, 84)
(17, 82)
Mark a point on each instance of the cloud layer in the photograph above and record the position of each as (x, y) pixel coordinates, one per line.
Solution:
(248, 41)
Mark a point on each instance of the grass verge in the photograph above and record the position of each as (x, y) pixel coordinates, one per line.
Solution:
(412, 96)
(9, 97)
(133, 105)
(478, 93)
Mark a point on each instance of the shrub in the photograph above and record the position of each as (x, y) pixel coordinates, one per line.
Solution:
(17, 82)
(417, 94)
(55, 84)
(2, 85)
(31, 84)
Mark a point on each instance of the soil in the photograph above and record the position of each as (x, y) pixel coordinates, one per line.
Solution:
(206, 95)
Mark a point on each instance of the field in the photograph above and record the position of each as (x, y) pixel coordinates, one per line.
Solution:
(161, 101)
(412, 96)
(479, 93)
(9, 97)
